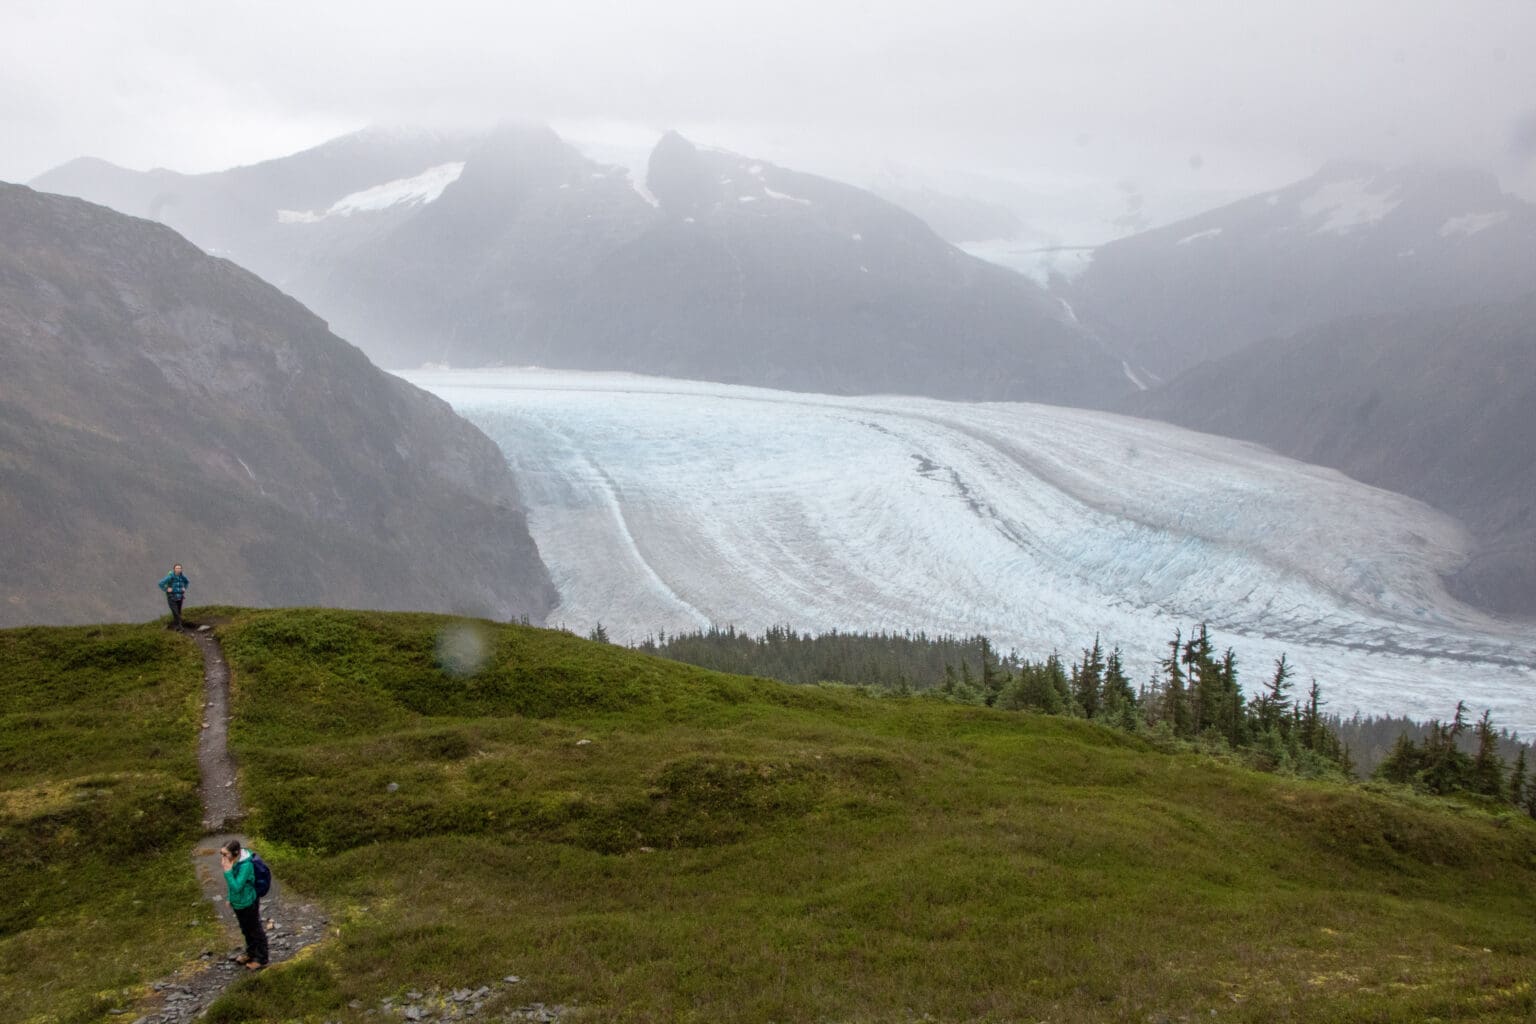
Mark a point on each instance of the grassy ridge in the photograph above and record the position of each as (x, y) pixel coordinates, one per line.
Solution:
(98, 813)
(731, 849)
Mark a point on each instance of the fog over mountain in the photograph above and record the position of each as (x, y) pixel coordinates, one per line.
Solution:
(1351, 239)
(512, 247)
(1207, 97)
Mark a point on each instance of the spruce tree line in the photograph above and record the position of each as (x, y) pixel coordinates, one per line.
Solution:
(1193, 697)
(1440, 763)
(1372, 738)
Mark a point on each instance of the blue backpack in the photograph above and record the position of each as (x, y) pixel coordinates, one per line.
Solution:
(263, 874)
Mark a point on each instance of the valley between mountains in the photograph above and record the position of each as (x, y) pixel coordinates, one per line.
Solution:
(667, 505)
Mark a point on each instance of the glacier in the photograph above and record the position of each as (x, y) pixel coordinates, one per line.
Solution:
(669, 505)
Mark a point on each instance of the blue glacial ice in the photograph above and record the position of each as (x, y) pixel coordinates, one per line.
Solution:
(662, 504)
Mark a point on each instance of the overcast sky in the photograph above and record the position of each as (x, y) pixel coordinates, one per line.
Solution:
(1199, 94)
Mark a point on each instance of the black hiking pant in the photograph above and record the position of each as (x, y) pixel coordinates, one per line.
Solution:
(250, 926)
(175, 603)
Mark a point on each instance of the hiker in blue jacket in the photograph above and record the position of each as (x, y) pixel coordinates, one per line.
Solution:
(175, 586)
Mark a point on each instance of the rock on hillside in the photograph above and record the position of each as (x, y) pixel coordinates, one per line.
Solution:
(157, 404)
(515, 248)
(1354, 239)
(1439, 405)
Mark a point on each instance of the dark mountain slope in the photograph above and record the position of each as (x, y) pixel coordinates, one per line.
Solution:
(157, 404)
(1352, 240)
(1439, 405)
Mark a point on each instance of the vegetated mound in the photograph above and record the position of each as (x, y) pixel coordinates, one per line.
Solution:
(160, 405)
(648, 840)
(98, 810)
(1439, 405)
(512, 247)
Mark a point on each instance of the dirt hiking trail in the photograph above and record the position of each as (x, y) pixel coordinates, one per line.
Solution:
(292, 923)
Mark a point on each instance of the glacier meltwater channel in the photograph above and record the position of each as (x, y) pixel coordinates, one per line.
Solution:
(669, 505)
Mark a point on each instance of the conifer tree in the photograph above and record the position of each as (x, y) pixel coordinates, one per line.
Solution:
(1272, 704)
(1235, 713)
(992, 677)
(1404, 763)
(1088, 680)
(1056, 676)
(1175, 709)
(1204, 681)
(1311, 719)
(1517, 783)
(1033, 689)
(1445, 766)
(1119, 698)
(1459, 722)
(1487, 774)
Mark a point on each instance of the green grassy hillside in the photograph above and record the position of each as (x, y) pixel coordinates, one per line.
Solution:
(98, 814)
(649, 841)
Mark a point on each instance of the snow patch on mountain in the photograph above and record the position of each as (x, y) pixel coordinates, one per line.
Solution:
(1343, 206)
(1471, 223)
(771, 194)
(422, 188)
(662, 504)
(643, 191)
(1198, 235)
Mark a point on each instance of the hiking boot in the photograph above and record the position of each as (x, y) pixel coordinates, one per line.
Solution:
(243, 958)
(254, 965)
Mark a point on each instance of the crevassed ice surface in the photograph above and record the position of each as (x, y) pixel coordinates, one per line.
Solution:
(661, 504)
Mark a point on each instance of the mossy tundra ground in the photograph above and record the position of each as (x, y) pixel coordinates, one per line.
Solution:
(646, 841)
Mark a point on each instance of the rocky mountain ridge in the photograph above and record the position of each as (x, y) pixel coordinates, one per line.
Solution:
(513, 248)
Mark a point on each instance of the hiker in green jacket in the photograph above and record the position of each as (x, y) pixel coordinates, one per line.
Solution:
(240, 878)
(175, 585)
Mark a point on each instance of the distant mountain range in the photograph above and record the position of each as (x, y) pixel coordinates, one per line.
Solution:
(1366, 318)
(1353, 239)
(160, 405)
(1439, 405)
(514, 248)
